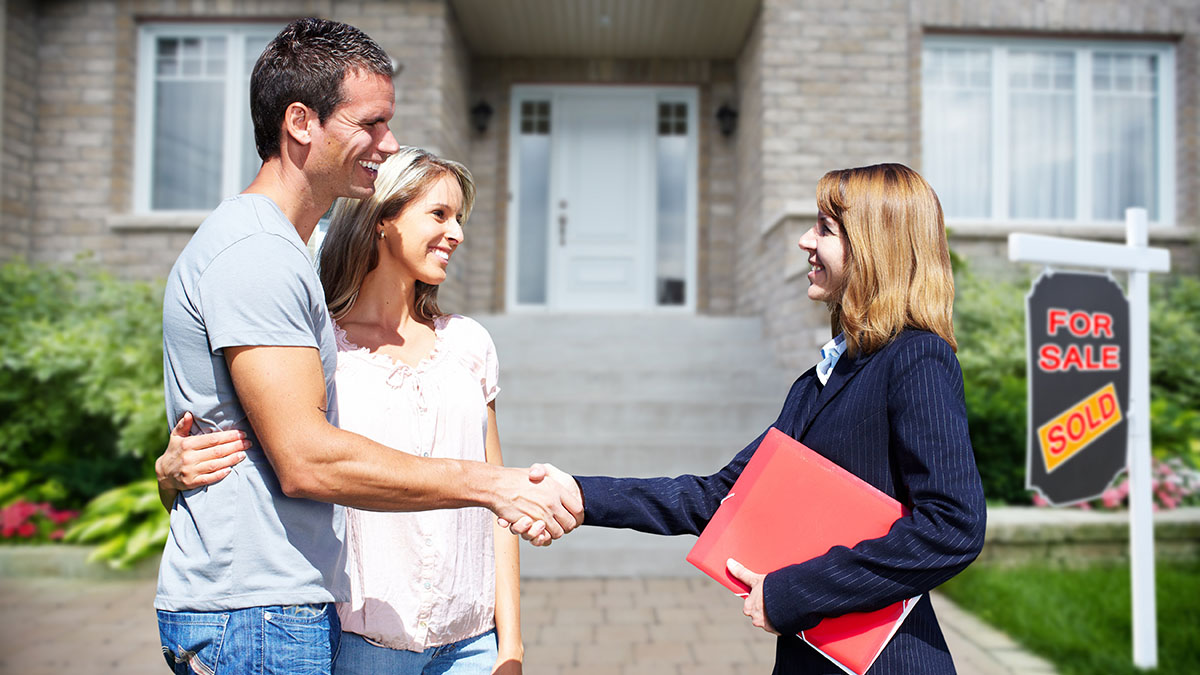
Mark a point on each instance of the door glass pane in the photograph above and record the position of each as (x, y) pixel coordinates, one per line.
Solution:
(956, 123)
(672, 145)
(1042, 134)
(1125, 158)
(533, 217)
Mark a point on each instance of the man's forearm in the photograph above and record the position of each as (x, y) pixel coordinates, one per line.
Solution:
(345, 468)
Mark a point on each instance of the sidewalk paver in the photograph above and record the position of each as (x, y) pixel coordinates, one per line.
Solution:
(586, 627)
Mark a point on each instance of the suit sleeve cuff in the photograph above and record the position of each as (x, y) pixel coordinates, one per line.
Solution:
(783, 607)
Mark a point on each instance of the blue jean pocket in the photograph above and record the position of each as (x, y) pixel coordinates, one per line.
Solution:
(192, 641)
(303, 639)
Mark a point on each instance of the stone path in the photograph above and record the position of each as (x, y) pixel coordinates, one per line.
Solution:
(572, 627)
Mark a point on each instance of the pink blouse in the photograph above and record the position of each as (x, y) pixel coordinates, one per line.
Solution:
(427, 578)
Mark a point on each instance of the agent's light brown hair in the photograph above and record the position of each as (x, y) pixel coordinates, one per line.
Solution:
(897, 267)
(350, 249)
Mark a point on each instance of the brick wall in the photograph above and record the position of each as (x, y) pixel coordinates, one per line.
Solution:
(749, 206)
(454, 64)
(492, 81)
(17, 64)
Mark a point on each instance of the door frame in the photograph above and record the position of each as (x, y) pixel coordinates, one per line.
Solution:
(681, 94)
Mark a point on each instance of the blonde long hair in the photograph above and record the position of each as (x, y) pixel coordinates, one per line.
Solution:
(350, 249)
(897, 267)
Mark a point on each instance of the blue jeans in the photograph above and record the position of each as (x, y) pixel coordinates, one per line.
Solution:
(472, 656)
(283, 640)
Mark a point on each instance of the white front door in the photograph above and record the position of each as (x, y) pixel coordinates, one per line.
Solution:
(602, 183)
(602, 207)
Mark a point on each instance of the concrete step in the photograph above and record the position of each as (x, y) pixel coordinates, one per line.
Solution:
(590, 417)
(529, 383)
(630, 395)
(631, 456)
(643, 357)
(621, 327)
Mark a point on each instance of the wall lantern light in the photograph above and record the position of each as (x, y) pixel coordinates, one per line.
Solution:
(481, 114)
(727, 119)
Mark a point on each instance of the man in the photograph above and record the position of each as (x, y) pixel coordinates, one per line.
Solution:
(253, 561)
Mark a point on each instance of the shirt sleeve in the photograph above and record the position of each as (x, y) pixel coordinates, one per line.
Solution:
(491, 368)
(258, 292)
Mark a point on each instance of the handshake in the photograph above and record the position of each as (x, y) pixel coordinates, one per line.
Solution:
(545, 507)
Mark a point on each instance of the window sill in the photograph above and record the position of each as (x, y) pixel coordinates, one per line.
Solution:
(184, 221)
(1115, 230)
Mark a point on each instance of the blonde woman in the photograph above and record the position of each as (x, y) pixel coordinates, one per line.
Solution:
(431, 591)
(885, 401)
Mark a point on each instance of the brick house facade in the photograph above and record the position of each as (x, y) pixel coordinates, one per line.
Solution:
(817, 85)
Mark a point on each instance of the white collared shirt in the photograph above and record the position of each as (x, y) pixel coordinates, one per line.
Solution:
(830, 354)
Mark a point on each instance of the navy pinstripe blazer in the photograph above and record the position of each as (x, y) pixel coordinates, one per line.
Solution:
(895, 418)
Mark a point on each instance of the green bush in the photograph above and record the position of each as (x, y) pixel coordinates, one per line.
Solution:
(989, 322)
(128, 522)
(990, 326)
(81, 402)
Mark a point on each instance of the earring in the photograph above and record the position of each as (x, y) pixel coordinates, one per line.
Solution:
(381, 236)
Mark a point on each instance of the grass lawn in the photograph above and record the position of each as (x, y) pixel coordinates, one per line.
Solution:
(1080, 619)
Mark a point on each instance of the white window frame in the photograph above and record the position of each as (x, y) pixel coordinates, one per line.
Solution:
(237, 108)
(1083, 51)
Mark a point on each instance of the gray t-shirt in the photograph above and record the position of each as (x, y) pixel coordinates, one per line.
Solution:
(244, 279)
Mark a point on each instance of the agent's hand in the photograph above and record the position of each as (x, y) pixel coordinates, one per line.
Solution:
(753, 607)
(547, 509)
(190, 462)
(535, 531)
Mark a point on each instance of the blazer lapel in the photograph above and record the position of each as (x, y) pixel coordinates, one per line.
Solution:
(845, 370)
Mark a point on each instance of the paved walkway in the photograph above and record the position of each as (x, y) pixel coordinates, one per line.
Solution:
(572, 627)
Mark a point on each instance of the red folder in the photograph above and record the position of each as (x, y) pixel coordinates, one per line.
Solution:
(790, 505)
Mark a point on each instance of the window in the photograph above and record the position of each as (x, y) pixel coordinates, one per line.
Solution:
(195, 140)
(673, 162)
(533, 165)
(1040, 130)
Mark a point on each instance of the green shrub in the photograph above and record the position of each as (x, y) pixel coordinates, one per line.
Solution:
(81, 402)
(128, 522)
(989, 322)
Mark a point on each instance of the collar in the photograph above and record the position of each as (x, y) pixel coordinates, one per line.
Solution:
(830, 353)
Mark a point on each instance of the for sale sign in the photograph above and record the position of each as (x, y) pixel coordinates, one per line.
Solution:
(1078, 384)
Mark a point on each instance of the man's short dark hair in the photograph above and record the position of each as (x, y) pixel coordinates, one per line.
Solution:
(306, 63)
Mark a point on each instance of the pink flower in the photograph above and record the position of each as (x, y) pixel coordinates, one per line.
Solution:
(16, 514)
(1039, 500)
(1085, 506)
(60, 517)
(57, 534)
(26, 530)
(1112, 498)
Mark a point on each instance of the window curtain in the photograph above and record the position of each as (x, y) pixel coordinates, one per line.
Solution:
(1042, 135)
(1125, 158)
(956, 127)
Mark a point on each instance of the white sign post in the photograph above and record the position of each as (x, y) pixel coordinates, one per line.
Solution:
(1139, 260)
